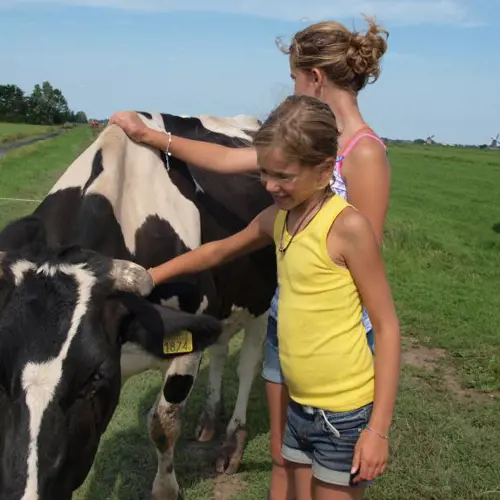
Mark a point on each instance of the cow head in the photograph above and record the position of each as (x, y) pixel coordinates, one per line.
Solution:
(64, 315)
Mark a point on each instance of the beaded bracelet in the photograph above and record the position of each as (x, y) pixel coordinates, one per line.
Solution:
(383, 436)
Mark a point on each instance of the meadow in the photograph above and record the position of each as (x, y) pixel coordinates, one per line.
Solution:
(442, 252)
(11, 132)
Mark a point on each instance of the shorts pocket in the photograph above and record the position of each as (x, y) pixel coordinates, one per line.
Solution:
(344, 426)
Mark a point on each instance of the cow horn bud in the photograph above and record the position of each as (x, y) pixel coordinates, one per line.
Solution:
(131, 277)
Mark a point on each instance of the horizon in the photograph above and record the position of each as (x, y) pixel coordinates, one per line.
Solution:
(438, 76)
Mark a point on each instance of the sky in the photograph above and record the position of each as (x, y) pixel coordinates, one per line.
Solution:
(440, 75)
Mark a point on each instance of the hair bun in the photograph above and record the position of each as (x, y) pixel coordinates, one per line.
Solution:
(365, 50)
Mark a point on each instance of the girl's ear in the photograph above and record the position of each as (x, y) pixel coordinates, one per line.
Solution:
(325, 173)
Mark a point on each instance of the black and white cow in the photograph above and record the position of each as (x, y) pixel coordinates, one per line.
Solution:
(74, 323)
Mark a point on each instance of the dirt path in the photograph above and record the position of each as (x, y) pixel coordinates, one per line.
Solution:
(5, 148)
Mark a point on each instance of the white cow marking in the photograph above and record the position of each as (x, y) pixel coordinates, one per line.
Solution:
(40, 380)
(203, 305)
(19, 269)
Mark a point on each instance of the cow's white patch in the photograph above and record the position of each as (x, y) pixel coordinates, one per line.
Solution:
(19, 268)
(78, 172)
(232, 126)
(138, 186)
(40, 380)
(171, 302)
(203, 305)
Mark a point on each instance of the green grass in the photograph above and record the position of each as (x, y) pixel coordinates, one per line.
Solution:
(29, 172)
(11, 132)
(442, 250)
(443, 254)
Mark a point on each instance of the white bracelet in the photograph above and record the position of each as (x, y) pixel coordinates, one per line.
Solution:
(167, 152)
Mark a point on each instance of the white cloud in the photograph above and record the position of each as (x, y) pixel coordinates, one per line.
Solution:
(456, 12)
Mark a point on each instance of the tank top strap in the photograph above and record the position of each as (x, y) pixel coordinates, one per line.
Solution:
(365, 131)
(329, 212)
(279, 220)
(321, 222)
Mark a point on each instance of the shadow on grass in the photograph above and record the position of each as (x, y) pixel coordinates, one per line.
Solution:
(496, 228)
(125, 465)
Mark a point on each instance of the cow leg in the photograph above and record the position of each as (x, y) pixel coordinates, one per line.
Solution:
(231, 453)
(205, 430)
(165, 422)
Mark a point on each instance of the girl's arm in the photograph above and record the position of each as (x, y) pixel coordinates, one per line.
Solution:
(367, 174)
(202, 154)
(256, 235)
(363, 258)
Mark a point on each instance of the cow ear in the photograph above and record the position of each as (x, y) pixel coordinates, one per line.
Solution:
(165, 332)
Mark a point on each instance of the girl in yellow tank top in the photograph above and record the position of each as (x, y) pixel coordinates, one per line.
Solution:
(329, 264)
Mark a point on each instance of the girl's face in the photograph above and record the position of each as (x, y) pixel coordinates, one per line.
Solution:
(290, 183)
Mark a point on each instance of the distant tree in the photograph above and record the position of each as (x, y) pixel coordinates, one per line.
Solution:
(45, 105)
(81, 117)
(12, 103)
(418, 141)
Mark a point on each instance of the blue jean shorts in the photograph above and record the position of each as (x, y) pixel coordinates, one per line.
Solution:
(271, 369)
(325, 440)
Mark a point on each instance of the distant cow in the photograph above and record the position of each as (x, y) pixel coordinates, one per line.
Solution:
(74, 323)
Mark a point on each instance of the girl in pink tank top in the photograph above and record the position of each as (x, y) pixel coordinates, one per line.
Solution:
(339, 187)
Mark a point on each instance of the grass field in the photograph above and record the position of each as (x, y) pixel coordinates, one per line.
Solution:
(442, 250)
(11, 132)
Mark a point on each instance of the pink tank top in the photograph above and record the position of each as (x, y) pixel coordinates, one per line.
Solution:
(338, 185)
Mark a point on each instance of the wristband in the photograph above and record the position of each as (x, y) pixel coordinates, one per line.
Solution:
(167, 152)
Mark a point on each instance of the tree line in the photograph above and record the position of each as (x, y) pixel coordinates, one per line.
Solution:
(45, 105)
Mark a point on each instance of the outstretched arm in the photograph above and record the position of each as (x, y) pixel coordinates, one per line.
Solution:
(256, 235)
(202, 154)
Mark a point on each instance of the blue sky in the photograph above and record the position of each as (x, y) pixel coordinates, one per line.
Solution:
(441, 74)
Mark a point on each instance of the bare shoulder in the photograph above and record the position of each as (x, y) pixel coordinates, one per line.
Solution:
(352, 227)
(266, 219)
(367, 155)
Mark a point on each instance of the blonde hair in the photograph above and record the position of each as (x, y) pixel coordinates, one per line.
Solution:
(303, 128)
(348, 58)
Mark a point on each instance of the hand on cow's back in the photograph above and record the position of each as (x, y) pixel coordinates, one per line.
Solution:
(131, 124)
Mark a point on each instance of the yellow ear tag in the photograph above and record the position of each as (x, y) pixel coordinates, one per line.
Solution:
(180, 343)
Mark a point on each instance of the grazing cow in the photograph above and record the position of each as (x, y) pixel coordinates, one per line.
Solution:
(74, 323)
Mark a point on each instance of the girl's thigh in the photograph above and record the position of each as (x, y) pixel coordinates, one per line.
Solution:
(325, 491)
(302, 475)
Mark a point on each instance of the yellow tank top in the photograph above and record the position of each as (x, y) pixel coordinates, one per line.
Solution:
(324, 353)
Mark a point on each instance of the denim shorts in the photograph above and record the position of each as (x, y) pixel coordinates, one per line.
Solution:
(271, 369)
(325, 440)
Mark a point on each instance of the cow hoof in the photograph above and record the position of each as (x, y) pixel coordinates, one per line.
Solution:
(230, 457)
(205, 431)
(168, 495)
(207, 424)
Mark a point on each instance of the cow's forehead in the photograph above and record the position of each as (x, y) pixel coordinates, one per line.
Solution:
(21, 267)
